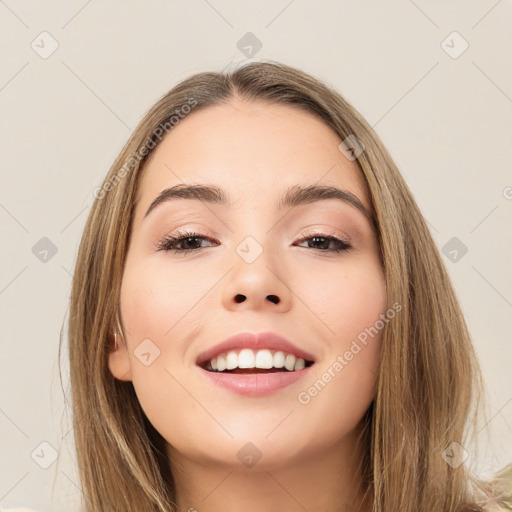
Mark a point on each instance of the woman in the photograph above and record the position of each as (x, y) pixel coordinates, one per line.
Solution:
(260, 319)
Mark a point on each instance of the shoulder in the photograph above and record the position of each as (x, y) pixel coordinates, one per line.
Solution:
(496, 508)
(501, 485)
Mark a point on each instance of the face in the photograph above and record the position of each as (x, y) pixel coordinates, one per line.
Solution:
(310, 273)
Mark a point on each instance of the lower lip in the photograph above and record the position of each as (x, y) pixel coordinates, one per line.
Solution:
(257, 384)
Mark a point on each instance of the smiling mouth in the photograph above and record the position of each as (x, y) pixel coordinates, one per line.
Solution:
(242, 371)
(247, 361)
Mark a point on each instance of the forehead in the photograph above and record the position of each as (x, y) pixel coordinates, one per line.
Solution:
(253, 150)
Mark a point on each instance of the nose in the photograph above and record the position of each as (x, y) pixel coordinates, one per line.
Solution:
(239, 297)
(258, 285)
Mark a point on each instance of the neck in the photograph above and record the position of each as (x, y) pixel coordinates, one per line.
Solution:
(329, 481)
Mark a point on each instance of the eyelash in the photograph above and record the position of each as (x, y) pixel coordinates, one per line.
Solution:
(167, 243)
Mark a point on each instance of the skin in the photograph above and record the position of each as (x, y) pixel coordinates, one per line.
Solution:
(185, 304)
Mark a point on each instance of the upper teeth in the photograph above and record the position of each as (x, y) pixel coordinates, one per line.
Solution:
(247, 358)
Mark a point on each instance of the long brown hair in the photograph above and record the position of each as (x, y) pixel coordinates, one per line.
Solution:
(430, 381)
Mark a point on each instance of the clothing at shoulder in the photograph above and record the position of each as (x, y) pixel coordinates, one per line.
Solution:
(496, 508)
(502, 487)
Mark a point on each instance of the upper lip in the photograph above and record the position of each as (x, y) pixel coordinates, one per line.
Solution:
(255, 341)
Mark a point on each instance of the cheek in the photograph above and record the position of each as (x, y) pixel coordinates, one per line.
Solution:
(158, 300)
(157, 308)
(162, 308)
(340, 392)
(348, 299)
(351, 305)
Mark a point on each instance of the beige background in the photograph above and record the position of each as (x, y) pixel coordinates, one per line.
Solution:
(445, 114)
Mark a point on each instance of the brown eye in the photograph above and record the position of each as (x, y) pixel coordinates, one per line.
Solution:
(324, 240)
(188, 241)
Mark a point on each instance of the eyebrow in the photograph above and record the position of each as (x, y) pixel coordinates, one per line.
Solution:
(294, 196)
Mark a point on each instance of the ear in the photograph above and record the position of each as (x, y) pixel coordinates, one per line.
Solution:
(119, 359)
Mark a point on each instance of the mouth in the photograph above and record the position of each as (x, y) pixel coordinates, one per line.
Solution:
(248, 361)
